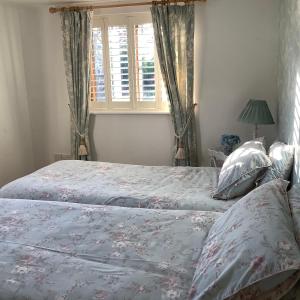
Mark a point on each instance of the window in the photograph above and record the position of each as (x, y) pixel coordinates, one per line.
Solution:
(125, 73)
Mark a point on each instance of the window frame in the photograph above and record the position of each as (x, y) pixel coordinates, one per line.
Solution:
(132, 106)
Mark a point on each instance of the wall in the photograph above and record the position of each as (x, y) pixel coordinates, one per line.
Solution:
(236, 59)
(289, 78)
(46, 84)
(136, 139)
(16, 157)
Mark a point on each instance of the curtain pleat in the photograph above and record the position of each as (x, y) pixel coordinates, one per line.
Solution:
(76, 28)
(174, 36)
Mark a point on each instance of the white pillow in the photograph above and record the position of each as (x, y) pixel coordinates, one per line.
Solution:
(241, 170)
(282, 158)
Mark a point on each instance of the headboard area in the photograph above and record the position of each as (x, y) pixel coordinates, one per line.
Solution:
(289, 79)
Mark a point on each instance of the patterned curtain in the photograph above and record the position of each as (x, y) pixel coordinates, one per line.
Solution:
(76, 28)
(174, 36)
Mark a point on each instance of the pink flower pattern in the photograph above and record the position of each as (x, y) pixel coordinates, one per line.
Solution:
(56, 250)
(249, 247)
(103, 183)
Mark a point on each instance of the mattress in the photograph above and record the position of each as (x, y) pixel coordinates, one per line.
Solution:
(55, 250)
(163, 187)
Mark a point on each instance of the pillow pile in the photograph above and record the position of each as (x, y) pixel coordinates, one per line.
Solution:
(250, 251)
(241, 170)
(282, 158)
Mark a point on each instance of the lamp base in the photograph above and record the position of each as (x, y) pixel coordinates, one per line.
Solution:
(255, 132)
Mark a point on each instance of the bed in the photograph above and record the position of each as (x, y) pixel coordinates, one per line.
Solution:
(55, 250)
(180, 188)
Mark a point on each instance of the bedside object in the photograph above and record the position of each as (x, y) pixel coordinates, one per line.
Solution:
(217, 158)
(229, 142)
(256, 112)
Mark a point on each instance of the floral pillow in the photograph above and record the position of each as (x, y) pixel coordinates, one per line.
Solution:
(294, 201)
(250, 251)
(282, 158)
(241, 170)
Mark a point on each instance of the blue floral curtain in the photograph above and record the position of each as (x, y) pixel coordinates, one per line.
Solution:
(76, 28)
(174, 36)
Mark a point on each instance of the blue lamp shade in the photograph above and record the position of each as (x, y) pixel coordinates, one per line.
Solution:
(256, 112)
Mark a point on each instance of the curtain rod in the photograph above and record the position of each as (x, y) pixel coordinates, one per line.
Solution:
(54, 10)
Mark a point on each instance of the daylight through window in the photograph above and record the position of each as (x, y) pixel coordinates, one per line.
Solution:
(125, 74)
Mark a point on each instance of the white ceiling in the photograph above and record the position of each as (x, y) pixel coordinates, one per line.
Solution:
(61, 2)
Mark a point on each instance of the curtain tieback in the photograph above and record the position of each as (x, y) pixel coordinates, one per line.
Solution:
(82, 150)
(180, 155)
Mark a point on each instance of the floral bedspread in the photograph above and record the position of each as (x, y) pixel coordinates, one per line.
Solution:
(55, 250)
(102, 183)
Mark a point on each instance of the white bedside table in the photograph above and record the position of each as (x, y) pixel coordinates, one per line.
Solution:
(217, 158)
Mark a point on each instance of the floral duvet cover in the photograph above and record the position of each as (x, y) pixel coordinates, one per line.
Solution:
(55, 250)
(124, 185)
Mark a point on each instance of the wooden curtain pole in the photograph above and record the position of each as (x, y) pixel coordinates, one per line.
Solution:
(53, 10)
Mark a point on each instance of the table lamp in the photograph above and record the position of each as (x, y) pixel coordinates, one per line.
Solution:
(256, 112)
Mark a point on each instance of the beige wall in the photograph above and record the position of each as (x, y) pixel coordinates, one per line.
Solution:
(136, 139)
(235, 59)
(16, 157)
(46, 84)
(239, 60)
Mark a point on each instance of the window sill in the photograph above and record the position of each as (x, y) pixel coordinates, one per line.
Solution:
(129, 112)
